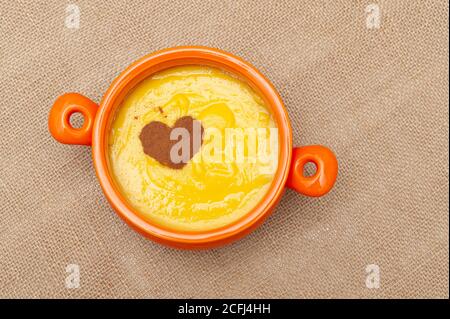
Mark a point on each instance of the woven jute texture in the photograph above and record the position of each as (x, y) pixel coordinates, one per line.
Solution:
(377, 96)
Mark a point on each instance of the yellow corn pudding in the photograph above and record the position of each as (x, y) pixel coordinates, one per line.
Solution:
(221, 182)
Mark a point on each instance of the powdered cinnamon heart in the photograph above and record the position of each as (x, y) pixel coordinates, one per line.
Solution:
(155, 139)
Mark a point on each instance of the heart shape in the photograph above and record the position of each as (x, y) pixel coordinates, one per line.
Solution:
(156, 142)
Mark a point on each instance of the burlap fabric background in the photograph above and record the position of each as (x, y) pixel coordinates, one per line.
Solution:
(378, 98)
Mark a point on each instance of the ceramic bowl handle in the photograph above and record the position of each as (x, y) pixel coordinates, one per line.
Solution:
(326, 170)
(59, 119)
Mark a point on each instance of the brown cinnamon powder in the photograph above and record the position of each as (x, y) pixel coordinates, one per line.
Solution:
(156, 142)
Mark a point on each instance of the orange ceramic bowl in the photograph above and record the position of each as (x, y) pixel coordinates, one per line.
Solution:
(98, 118)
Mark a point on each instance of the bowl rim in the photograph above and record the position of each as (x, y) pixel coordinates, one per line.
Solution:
(190, 55)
